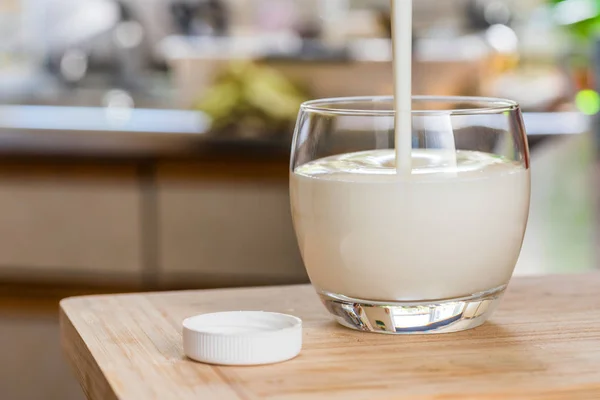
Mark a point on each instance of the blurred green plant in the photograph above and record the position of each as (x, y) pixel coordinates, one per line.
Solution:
(581, 18)
(249, 99)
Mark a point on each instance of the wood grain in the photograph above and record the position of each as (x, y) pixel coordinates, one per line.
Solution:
(542, 343)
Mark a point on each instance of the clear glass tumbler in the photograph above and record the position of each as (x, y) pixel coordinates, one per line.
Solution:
(427, 251)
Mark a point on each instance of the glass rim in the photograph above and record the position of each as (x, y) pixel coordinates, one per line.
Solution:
(489, 105)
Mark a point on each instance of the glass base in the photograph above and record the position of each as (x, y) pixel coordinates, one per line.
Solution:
(435, 316)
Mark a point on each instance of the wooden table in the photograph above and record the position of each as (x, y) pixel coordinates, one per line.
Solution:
(542, 343)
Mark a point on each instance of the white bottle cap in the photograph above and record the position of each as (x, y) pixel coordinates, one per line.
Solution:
(242, 337)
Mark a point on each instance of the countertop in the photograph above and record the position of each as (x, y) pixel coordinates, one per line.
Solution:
(542, 343)
(97, 132)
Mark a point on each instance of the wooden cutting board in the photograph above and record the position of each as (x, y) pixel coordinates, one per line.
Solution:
(542, 343)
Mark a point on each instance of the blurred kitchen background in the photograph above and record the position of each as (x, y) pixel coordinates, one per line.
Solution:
(144, 144)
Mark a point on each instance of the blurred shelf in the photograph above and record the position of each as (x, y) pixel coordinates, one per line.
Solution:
(557, 123)
(50, 131)
(117, 133)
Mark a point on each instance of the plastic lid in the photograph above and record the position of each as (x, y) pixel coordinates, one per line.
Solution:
(242, 337)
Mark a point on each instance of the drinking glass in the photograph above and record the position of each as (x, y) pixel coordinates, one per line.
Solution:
(425, 250)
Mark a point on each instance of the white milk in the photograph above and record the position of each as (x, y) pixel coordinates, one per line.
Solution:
(401, 13)
(444, 232)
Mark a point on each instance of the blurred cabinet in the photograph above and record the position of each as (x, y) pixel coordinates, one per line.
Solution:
(70, 221)
(218, 226)
(156, 224)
